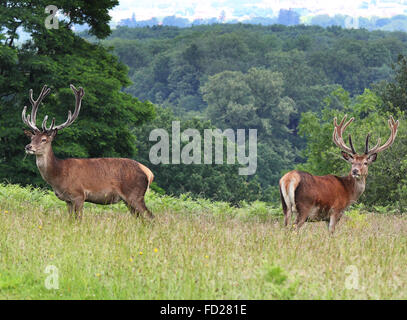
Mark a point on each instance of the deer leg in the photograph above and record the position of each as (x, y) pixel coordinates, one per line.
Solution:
(303, 212)
(136, 204)
(286, 207)
(70, 207)
(287, 214)
(142, 204)
(287, 217)
(133, 210)
(140, 207)
(332, 223)
(333, 220)
(301, 218)
(131, 205)
(78, 207)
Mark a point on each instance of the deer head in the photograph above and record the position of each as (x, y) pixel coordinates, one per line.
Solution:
(360, 162)
(41, 139)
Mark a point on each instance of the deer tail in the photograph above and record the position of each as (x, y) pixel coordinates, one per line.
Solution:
(149, 175)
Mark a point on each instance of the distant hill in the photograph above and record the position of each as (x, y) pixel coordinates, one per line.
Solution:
(287, 17)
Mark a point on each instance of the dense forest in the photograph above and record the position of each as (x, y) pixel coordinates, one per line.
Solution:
(288, 82)
(280, 80)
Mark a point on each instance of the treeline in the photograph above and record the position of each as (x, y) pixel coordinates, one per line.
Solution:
(264, 78)
(286, 17)
(164, 62)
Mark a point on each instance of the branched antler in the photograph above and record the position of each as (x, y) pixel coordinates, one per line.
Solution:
(79, 93)
(393, 133)
(35, 103)
(338, 132)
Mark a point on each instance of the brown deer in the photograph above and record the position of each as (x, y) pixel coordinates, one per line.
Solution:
(98, 180)
(324, 198)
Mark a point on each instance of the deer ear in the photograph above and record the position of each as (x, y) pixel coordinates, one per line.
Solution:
(28, 133)
(53, 133)
(372, 158)
(347, 156)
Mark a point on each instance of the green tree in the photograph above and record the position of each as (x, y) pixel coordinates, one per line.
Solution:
(394, 93)
(215, 181)
(254, 101)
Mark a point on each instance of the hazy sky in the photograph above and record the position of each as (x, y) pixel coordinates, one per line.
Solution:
(145, 9)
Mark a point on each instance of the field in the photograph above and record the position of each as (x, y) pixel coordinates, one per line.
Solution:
(194, 249)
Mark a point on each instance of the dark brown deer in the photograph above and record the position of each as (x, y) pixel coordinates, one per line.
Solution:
(98, 180)
(324, 198)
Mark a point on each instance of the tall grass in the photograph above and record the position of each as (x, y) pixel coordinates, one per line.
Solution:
(194, 249)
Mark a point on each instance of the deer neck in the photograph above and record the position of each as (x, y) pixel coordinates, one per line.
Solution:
(47, 164)
(355, 186)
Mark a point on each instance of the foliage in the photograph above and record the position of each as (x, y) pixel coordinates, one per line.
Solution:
(394, 93)
(215, 181)
(306, 55)
(357, 220)
(30, 16)
(277, 279)
(254, 101)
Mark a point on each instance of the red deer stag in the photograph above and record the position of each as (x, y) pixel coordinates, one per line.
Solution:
(324, 198)
(99, 180)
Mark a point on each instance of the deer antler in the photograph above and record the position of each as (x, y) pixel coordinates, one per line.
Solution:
(338, 132)
(393, 133)
(79, 93)
(35, 103)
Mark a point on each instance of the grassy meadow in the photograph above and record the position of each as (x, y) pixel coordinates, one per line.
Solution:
(194, 249)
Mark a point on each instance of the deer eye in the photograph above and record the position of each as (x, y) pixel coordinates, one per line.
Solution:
(44, 140)
(365, 163)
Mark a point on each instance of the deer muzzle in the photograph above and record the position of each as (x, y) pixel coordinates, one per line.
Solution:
(28, 149)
